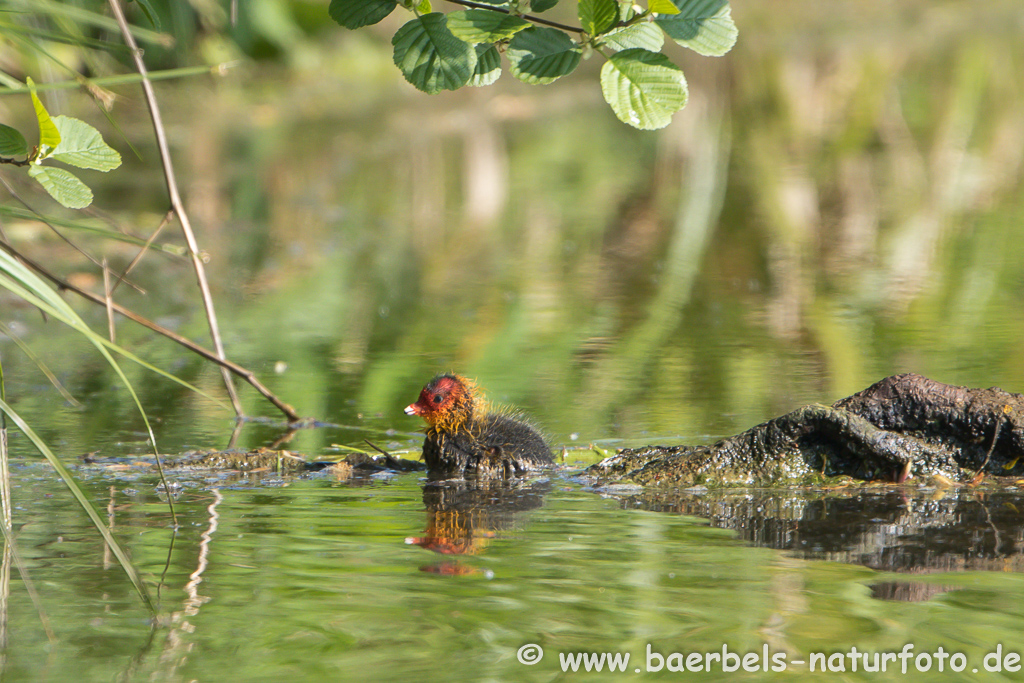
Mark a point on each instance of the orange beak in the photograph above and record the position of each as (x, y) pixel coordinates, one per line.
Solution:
(413, 409)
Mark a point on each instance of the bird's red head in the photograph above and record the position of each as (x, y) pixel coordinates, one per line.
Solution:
(446, 404)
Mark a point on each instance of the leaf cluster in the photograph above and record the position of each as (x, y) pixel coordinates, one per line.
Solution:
(445, 51)
(61, 138)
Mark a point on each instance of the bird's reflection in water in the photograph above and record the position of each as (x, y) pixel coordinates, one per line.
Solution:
(464, 515)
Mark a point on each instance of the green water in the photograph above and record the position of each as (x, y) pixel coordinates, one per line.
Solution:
(315, 580)
(843, 199)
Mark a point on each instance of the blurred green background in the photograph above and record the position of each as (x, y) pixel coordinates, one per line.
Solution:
(841, 200)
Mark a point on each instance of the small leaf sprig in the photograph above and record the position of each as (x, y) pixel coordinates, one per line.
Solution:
(61, 138)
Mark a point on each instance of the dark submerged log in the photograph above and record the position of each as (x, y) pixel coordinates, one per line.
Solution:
(903, 426)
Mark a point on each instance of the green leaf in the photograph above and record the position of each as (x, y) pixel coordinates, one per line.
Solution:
(484, 26)
(597, 16)
(358, 13)
(662, 7)
(12, 142)
(542, 5)
(643, 88)
(645, 35)
(488, 66)
(62, 186)
(704, 26)
(49, 136)
(430, 57)
(147, 9)
(423, 7)
(82, 145)
(542, 55)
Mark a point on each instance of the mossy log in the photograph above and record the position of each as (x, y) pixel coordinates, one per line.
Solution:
(903, 426)
(260, 460)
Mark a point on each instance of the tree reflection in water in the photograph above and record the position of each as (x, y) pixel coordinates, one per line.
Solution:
(904, 530)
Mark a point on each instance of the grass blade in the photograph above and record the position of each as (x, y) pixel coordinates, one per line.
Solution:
(27, 350)
(92, 228)
(59, 309)
(65, 475)
(34, 290)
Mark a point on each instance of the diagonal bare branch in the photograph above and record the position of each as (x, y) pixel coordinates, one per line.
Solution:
(142, 252)
(209, 355)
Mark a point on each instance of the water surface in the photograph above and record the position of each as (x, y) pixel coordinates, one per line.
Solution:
(316, 578)
(841, 200)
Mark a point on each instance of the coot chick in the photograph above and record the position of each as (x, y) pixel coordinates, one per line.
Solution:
(464, 438)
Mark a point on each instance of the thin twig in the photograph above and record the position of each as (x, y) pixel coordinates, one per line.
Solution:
(236, 431)
(528, 17)
(281, 440)
(143, 250)
(179, 206)
(58, 233)
(43, 368)
(980, 476)
(377, 448)
(991, 524)
(995, 437)
(209, 355)
(108, 300)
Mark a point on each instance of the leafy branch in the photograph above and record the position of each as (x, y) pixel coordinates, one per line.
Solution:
(438, 51)
(63, 139)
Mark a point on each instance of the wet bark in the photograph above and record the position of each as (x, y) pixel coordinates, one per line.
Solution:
(903, 426)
